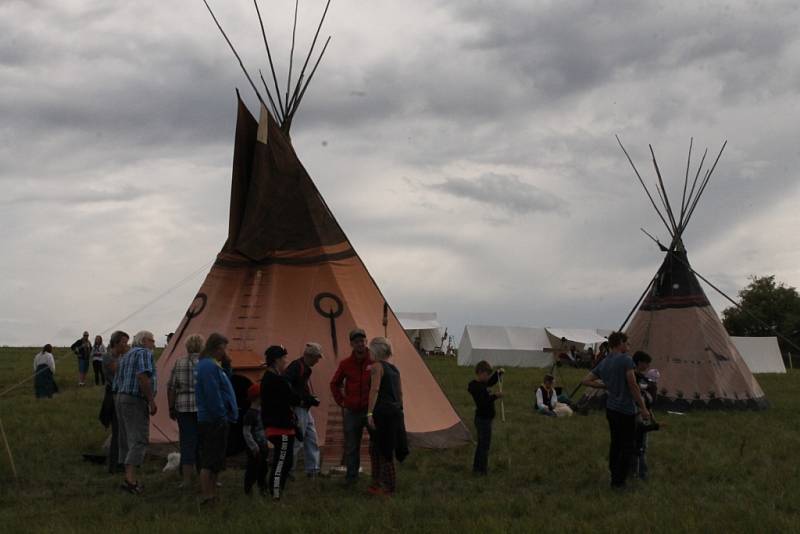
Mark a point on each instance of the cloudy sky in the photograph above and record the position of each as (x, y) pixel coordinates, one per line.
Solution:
(467, 148)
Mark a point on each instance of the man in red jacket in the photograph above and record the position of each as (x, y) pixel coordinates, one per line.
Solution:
(350, 388)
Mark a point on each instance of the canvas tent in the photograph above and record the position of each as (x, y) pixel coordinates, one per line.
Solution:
(699, 364)
(513, 346)
(422, 326)
(287, 274)
(761, 354)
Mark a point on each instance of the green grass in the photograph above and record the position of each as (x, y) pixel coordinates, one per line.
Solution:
(711, 472)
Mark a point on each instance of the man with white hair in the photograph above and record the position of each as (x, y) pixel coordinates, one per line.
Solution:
(135, 402)
(299, 375)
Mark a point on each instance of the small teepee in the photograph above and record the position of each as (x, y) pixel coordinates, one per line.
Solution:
(699, 364)
(287, 274)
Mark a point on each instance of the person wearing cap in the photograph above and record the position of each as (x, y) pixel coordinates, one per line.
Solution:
(299, 375)
(350, 389)
(256, 441)
(278, 400)
(216, 409)
(83, 350)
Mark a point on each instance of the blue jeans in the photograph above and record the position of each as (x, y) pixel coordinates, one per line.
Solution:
(354, 423)
(305, 422)
(187, 429)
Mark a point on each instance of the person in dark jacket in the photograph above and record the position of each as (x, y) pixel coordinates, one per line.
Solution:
(299, 375)
(278, 400)
(83, 350)
(384, 418)
(350, 389)
(484, 412)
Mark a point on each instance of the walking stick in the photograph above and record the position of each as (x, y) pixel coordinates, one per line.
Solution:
(503, 418)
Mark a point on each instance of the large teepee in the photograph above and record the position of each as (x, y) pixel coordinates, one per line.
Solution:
(699, 364)
(287, 274)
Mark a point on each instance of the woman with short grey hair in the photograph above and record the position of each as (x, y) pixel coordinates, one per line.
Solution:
(385, 418)
(183, 407)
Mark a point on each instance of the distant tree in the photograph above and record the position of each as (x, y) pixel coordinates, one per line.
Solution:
(768, 308)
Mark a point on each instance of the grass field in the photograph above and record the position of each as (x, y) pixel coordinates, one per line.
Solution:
(711, 472)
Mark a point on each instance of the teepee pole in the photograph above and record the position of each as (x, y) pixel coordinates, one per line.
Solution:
(282, 117)
(269, 96)
(705, 183)
(235, 53)
(665, 198)
(308, 56)
(310, 76)
(646, 190)
(291, 54)
(685, 183)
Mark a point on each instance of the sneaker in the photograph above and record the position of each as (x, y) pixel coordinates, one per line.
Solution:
(135, 488)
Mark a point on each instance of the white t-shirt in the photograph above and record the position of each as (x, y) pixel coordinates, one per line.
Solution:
(44, 358)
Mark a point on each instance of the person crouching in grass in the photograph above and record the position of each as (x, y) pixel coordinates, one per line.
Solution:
(484, 412)
(256, 441)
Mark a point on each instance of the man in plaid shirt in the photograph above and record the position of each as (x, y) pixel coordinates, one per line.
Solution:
(183, 406)
(135, 385)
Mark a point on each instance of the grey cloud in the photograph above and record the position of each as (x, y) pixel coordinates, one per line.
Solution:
(502, 192)
(82, 196)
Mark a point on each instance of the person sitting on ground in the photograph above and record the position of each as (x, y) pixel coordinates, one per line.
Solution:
(256, 441)
(647, 379)
(135, 384)
(83, 350)
(216, 409)
(484, 412)
(183, 406)
(98, 349)
(44, 365)
(547, 400)
(385, 419)
(278, 400)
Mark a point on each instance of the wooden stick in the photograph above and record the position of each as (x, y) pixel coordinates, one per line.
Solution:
(663, 190)
(635, 170)
(705, 183)
(310, 76)
(269, 95)
(308, 56)
(291, 54)
(235, 53)
(686, 182)
(694, 184)
(271, 64)
(8, 450)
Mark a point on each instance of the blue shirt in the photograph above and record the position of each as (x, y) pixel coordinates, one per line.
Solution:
(214, 393)
(613, 372)
(135, 362)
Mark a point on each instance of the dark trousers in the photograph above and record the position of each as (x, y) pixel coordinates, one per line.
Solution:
(98, 373)
(256, 470)
(282, 458)
(354, 423)
(113, 447)
(481, 462)
(623, 437)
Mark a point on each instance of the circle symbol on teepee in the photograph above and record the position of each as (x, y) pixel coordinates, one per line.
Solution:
(331, 313)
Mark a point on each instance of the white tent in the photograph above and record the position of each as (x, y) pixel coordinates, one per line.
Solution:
(422, 325)
(761, 354)
(519, 346)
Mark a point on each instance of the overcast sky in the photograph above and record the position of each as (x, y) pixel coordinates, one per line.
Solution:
(467, 148)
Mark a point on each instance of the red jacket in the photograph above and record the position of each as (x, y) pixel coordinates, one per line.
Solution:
(354, 375)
